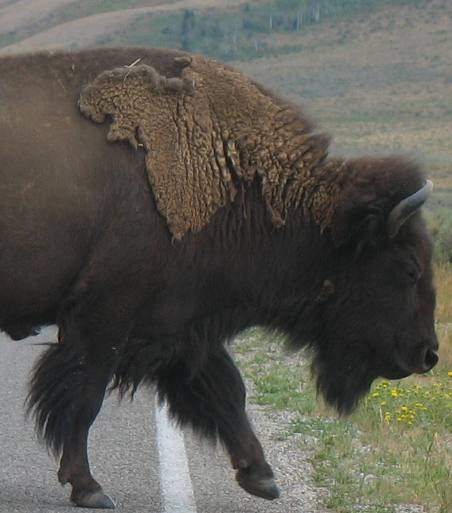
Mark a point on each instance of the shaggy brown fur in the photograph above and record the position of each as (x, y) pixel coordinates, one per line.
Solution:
(209, 133)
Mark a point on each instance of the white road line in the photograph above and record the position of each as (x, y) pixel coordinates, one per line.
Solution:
(175, 481)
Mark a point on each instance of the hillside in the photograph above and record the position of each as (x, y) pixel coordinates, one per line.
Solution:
(377, 74)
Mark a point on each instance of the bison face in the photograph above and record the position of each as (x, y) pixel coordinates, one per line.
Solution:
(379, 314)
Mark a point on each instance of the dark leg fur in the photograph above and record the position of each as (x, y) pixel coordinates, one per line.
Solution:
(55, 387)
(67, 390)
(213, 403)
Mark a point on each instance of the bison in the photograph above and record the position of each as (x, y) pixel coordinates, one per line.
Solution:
(154, 204)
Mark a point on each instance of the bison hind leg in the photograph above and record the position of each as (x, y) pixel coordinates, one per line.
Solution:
(66, 392)
(55, 385)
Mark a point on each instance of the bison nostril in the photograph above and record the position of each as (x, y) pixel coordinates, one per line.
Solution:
(430, 359)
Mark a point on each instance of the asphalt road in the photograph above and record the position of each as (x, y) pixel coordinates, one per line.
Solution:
(124, 454)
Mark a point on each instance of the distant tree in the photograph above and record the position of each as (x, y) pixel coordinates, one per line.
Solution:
(299, 20)
(317, 11)
(187, 29)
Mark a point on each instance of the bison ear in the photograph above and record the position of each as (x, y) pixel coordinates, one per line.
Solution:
(362, 229)
(361, 209)
(376, 198)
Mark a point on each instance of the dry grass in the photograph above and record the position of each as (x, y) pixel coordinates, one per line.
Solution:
(443, 182)
(445, 335)
(444, 314)
(443, 278)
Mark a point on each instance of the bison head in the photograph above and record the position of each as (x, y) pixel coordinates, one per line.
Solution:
(377, 298)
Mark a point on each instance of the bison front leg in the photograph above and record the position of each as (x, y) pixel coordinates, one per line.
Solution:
(68, 388)
(213, 402)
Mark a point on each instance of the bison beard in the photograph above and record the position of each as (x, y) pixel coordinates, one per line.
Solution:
(342, 385)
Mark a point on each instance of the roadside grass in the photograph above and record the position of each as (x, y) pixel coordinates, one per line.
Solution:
(395, 449)
(439, 219)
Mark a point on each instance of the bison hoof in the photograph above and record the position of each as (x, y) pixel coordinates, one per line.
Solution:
(265, 488)
(98, 500)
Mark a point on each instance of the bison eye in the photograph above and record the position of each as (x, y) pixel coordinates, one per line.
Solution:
(414, 275)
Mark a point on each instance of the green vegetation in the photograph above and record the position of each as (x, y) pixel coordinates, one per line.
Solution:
(9, 38)
(245, 33)
(440, 222)
(396, 449)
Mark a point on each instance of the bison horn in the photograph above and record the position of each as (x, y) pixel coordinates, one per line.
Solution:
(406, 208)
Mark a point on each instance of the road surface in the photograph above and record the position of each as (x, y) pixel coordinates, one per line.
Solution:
(124, 451)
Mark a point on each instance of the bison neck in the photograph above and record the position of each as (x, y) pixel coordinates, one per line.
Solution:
(239, 272)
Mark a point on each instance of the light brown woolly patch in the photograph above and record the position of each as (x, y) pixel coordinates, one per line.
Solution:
(207, 133)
